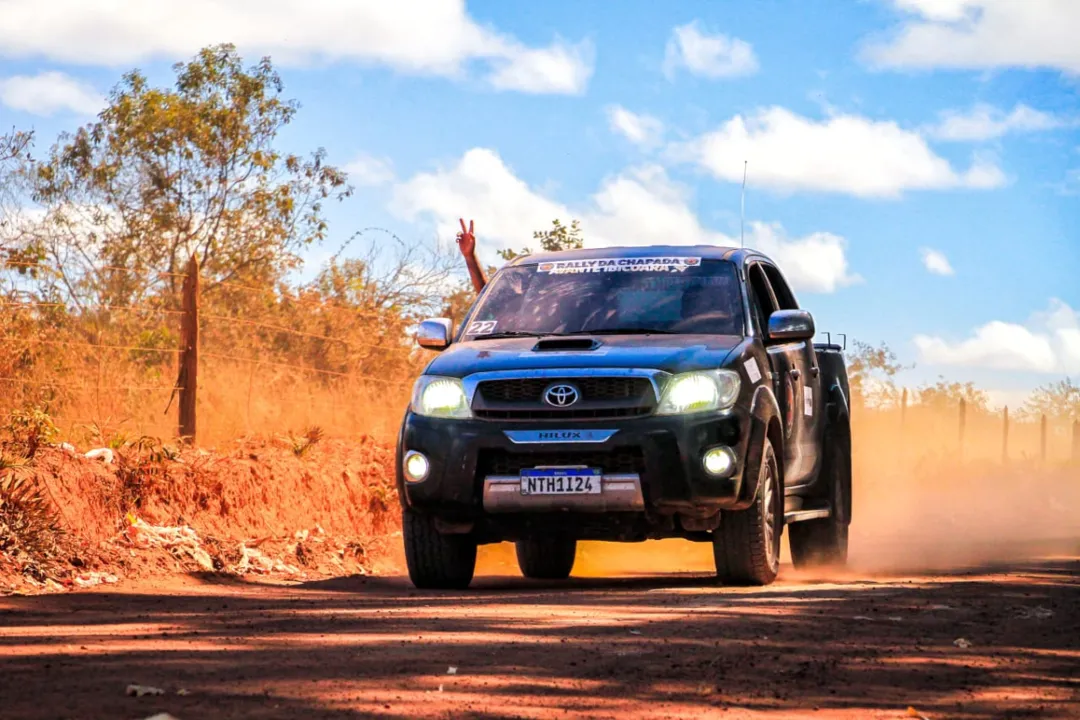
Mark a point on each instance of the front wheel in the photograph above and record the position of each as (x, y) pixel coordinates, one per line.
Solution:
(746, 546)
(436, 561)
(547, 558)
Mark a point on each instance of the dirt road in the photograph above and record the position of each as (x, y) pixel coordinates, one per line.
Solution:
(676, 646)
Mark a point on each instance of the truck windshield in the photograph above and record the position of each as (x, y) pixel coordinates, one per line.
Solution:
(632, 295)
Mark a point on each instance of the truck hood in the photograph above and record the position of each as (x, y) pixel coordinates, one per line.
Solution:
(671, 353)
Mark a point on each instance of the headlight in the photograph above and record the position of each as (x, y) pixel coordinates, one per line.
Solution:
(699, 391)
(440, 397)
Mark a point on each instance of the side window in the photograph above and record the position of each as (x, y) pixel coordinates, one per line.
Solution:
(761, 300)
(785, 299)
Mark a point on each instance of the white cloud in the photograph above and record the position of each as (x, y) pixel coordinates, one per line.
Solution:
(985, 122)
(559, 69)
(707, 55)
(48, 93)
(478, 186)
(425, 37)
(936, 262)
(981, 34)
(638, 129)
(841, 154)
(640, 206)
(370, 170)
(815, 263)
(1048, 343)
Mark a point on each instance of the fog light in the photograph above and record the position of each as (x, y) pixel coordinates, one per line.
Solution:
(718, 462)
(416, 466)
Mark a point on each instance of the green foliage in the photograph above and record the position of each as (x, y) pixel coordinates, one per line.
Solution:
(29, 429)
(27, 521)
(943, 394)
(158, 338)
(167, 173)
(1058, 401)
(300, 445)
(15, 162)
(558, 237)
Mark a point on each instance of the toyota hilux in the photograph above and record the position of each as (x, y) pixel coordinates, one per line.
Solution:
(627, 394)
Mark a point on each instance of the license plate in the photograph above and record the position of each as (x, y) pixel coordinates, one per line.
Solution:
(561, 481)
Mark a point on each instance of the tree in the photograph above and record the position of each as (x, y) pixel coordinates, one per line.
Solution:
(167, 173)
(870, 374)
(14, 146)
(14, 161)
(1058, 401)
(559, 237)
(943, 394)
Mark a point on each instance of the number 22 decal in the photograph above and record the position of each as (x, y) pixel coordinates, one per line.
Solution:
(482, 327)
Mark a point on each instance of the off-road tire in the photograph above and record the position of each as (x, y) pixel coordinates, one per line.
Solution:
(824, 542)
(547, 558)
(745, 553)
(436, 561)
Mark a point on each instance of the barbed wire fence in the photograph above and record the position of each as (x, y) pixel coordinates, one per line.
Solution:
(201, 351)
(194, 356)
(970, 433)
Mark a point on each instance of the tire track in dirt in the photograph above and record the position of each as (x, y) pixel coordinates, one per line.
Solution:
(659, 647)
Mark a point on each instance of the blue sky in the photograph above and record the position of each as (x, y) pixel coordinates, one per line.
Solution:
(914, 165)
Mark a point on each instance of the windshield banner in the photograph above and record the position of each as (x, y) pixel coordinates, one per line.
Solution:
(642, 264)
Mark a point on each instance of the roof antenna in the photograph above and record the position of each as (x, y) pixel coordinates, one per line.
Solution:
(742, 208)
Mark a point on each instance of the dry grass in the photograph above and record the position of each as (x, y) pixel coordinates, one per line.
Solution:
(65, 514)
(297, 432)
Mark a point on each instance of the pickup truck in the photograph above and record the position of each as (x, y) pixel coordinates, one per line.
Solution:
(627, 394)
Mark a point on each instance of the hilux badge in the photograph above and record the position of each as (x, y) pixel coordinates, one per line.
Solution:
(561, 395)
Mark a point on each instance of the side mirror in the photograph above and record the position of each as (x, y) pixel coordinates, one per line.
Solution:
(434, 334)
(791, 326)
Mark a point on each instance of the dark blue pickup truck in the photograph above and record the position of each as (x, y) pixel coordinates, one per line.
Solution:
(626, 394)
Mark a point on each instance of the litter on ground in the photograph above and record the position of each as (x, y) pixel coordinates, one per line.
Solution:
(1035, 613)
(181, 540)
(252, 560)
(140, 690)
(91, 579)
(103, 454)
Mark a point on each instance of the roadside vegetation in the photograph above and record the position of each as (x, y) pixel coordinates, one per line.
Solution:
(304, 371)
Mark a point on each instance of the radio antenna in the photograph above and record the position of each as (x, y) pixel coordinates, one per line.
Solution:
(742, 208)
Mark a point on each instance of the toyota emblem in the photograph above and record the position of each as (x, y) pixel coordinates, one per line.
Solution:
(561, 395)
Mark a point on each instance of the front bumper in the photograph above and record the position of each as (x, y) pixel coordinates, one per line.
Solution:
(651, 465)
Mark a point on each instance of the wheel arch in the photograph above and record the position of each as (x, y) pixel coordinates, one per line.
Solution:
(764, 424)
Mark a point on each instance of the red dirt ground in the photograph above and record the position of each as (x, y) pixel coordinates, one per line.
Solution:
(673, 646)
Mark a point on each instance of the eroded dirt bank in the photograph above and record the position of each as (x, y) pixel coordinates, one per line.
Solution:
(989, 643)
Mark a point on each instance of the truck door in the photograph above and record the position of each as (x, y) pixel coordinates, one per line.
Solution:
(810, 403)
(784, 366)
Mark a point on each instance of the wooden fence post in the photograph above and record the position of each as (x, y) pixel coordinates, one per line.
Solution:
(903, 409)
(1005, 438)
(189, 351)
(1042, 438)
(1076, 442)
(963, 423)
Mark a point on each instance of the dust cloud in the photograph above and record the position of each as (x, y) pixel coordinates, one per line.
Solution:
(923, 501)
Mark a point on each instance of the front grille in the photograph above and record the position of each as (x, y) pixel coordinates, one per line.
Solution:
(593, 389)
(569, 414)
(501, 462)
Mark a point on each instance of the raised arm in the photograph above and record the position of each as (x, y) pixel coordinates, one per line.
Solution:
(467, 242)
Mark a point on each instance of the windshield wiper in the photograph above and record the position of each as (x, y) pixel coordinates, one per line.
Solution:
(622, 331)
(505, 334)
